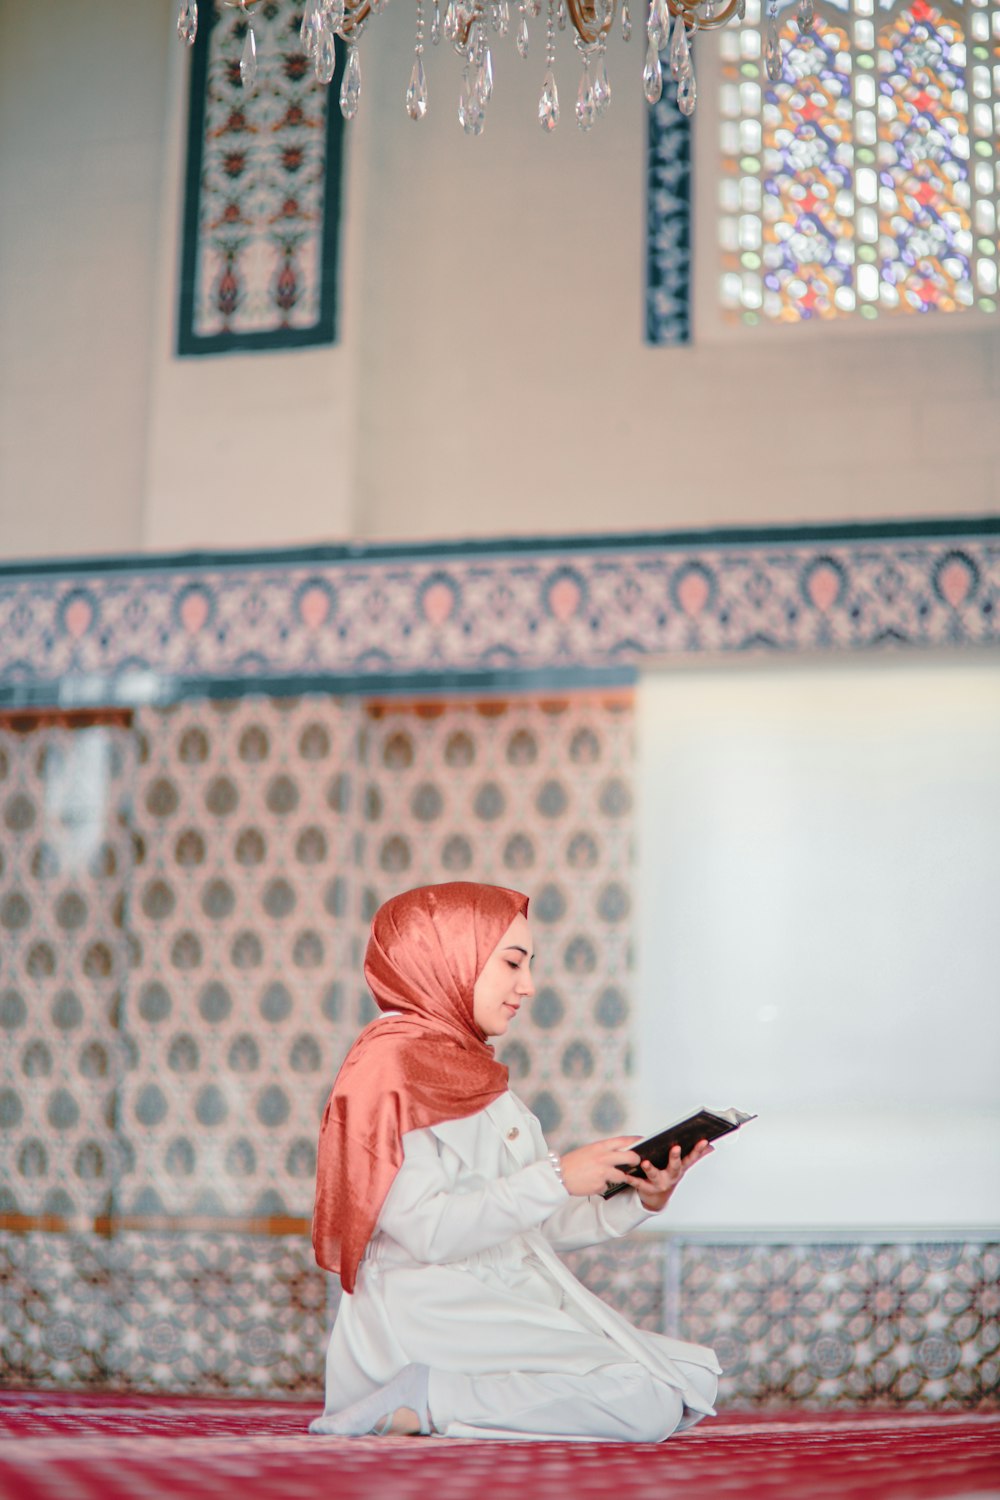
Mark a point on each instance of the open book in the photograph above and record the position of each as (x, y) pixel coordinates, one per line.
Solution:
(706, 1125)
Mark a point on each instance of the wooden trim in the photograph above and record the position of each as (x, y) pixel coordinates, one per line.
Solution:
(30, 720)
(108, 1225)
(493, 706)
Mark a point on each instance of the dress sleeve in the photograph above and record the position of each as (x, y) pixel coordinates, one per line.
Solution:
(437, 1218)
(587, 1221)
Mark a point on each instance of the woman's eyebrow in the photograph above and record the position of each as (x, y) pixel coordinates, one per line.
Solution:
(515, 948)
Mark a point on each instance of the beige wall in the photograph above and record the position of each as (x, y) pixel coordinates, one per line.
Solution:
(250, 449)
(491, 375)
(80, 188)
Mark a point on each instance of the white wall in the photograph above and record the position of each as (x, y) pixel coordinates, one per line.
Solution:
(491, 376)
(819, 884)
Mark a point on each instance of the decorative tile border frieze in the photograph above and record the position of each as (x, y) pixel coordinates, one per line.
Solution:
(811, 1325)
(358, 618)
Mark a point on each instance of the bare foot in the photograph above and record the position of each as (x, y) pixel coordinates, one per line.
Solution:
(404, 1423)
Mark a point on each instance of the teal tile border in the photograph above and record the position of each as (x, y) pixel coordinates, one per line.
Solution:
(494, 547)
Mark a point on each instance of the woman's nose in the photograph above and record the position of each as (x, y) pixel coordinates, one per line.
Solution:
(525, 985)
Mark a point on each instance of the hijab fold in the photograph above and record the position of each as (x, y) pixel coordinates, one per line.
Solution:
(425, 1062)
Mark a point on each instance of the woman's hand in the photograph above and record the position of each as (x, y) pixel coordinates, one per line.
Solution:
(590, 1169)
(654, 1192)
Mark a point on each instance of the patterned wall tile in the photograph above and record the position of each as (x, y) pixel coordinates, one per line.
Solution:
(218, 1313)
(848, 1325)
(816, 1326)
(537, 795)
(65, 864)
(210, 1313)
(668, 222)
(57, 1309)
(629, 1274)
(261, 223)
(244, 923)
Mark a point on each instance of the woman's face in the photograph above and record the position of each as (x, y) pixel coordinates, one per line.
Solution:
(505, 981)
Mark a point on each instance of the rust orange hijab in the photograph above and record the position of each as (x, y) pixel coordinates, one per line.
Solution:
(427, 1063)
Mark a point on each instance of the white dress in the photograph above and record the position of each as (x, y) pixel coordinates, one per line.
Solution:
(461, 1275)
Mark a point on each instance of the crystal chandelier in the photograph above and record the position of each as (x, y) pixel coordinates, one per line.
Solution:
(469, 25)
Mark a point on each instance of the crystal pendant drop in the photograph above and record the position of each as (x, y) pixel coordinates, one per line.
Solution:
(680, 55)
(521, 40)
(326, 56)
(806, 16)
(652, 74)
(741, 10)
(350, 87)
(416, 94)
(548, 104)
(586, 105)
(309, 33)
(602, 88)
(436, 25)
(561, 16)
(248, 62)
(310, 18)
(503, 18)
(187, 21)
(658, 25)
(626, 22)
(335, 15)
(484, 78)
(471, 110)
(451, 21)
(772, 50)
(687, 92)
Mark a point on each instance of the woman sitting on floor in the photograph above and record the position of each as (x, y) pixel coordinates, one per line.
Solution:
(441, 1208)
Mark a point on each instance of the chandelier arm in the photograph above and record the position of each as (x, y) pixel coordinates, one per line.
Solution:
(465, 27)
(354, 17)
(689, 11)
(583, 14)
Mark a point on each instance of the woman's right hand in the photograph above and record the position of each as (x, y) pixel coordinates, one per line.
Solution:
(590, 1169)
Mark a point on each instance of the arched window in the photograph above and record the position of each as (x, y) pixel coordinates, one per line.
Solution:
(863, 179)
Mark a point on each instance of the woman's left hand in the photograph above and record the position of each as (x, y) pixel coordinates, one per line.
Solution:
(655, 1192)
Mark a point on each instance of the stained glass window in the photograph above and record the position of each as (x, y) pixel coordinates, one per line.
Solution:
(863, 180)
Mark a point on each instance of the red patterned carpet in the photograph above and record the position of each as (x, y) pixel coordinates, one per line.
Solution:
(65, 1446)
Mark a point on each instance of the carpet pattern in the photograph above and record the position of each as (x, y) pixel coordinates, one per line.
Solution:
(60, 1446)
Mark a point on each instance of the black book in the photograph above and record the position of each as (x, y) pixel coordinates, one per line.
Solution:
(706, 1125)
